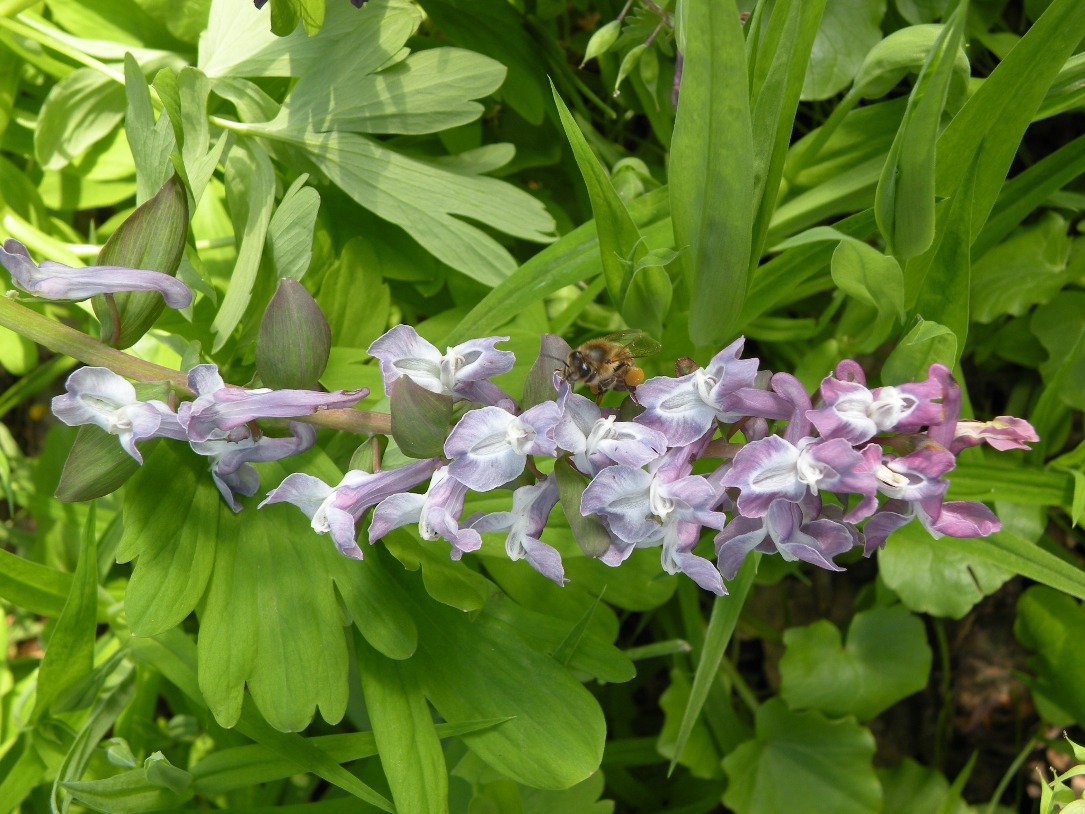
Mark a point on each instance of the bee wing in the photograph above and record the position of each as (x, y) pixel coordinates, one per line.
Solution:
(637, 342)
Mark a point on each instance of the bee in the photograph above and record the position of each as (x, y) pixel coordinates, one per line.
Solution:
(607, 363)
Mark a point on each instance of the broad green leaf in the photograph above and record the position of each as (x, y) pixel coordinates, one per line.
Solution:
(103, 176)
(829, 761)
(1049, 622)
(151, 141)
(406, 737)
(378, 605)
(81, 109)
(921, 11)
(943, 295)
(24, 774)
(989, 127)
(926, 343)
(152, 237)
(476, 667)
(1020, 556)
(903, 52)
(619, 237)
(711, 178)
(199, 157)
(1008, 481)
(250, 190)
(721, 625)
(648, 299)
(354, 295)
(905, 200)
(1058, 326)
(496, 28)
(270, 620)
(239, 40)
(30, 585)
(777, 70)
(914, 789)
(936, 576)
(572, 259)
(885, 659)
(865, 273)
(174, 549)
(426, 92)
(848, 30)
(427, 200)
(69, 655)
(1026, 269)
(1027, 190)
(290, 232)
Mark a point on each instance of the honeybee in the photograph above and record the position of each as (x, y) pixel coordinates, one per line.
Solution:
(607, 363)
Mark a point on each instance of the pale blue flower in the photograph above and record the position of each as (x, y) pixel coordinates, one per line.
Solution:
(437, 513)
(531, 506)
(490, 446)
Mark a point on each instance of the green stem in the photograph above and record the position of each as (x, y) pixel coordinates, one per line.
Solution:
(9, 8)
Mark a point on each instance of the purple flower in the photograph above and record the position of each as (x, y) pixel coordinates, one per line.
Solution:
(531, 507)
(336, 510)
(232, 453)
(664, 505)
(55, 281)
(222, 407)
(856, 414)
(490, 446)
(683, 409)
(1003, 433)
(795, 531)
(437, 513)
(776, 469)
(463, 372)
(957, 518)
(98, 396)
(597, 442)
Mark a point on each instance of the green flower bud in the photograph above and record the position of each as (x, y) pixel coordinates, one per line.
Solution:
(294, 341)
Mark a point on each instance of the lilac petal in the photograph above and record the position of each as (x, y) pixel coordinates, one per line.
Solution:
(360, 490)
(942, 431)
(892, 516)
(795, 541)
(304, 491)
(543, 558)
(700, 570)
(487, 393)
(765, 471)
(738, 538)
(627, 443)
(848, 370)
(55, 281)
(477, 359)
(917, 475)
(343, 533)
(621, 494)
(441, 512)
(94, 393)
(753, 401)
(676, 407)
(402, 352)
(965, 518)
(244, 481)
(1003, 433)
(791, 390)
(576, 421)
(836, 466)
(483, 454)
(846, 412)
(205, 380)
(394, 512)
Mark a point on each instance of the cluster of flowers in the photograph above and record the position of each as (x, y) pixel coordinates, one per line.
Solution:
(897, 441)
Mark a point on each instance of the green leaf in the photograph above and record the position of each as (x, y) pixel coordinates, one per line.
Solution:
(1050, 623)
(863, 272)
(496, 28)
(1008, 551)
(198, 156)
(904, 202)
(1058, 326)
(937, 576)
(990, 125)
(831, 761)
(81, 109)
(29, 585)
(914, 789)
(1026, 269)
(151, 141)
(700, 754)
(721, 626)
(378, 605)
(152, 237)
(410, 749)
(572, 259)
(420, 419)
(250, 192)
(427, 201)
(943, 295)
(848, 30)
(648, 299)
(290, 232)
(131, 791)
(921, 11)
(925, 344)
(777, 69)
(589, 533)
(354, 295)
(476, 667)
(70, 653)
(711, 177)
(903, 52)
(619, 237)
(174, 559)
(886, 658)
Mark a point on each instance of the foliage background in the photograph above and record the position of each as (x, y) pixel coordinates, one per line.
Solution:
(928, 209)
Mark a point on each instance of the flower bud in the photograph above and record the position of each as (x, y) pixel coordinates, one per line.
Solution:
(294, 341)
(420, 418)
(602, 40)
(97, 465)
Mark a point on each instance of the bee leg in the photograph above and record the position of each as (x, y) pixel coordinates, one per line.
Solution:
(633, 396)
